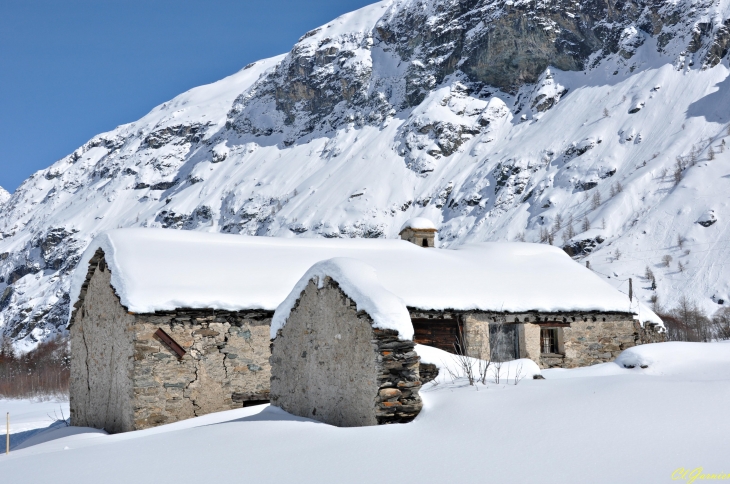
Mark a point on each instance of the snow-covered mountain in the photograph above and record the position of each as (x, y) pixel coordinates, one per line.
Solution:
(4, 195)
(600, 126)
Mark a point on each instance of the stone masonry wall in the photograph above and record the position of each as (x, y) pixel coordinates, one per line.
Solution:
(588, 338)
(590, 342)
(329, 364)
(101, 357)
(418, 236)
(226, 364)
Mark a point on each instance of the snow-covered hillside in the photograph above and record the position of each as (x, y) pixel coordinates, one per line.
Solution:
(498, 120)
(601, 424)
(4, 195)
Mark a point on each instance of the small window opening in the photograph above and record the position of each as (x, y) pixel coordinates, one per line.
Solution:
(424, 243)
(549, 340)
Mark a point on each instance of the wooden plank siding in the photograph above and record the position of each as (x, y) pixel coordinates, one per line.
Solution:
(437, 332)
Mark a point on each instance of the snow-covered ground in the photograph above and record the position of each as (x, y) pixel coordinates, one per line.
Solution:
(600, 424)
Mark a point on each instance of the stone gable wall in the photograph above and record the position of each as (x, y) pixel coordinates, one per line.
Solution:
(101, 358)
(329, 364)
(226, 364)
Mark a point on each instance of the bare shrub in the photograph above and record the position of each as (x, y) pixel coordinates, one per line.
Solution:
(680, 241)
(678, 172)
(585, 225)
(666, 260)
(654, 300)
(497, 368)
(648, 274)
(463, 361)
(519, 373)
(596, 202)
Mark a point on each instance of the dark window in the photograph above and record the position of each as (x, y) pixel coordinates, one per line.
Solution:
(424, 243)
(549, 340)
(504, 342)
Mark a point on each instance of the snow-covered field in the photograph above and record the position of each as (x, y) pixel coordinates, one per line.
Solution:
(600, 424)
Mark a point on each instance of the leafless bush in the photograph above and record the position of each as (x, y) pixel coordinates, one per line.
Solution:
(544, 235)
(678, 172)
(711, 154)
(648, 274)
(55, 418)
(654, 300)
(596, 202)
(605, 113)
(617, 254)
(680, 241)
(694, 155)
(586, 225)
(519, 373)
(616, 188)
(666, 260)
(462, 360)
(42, 372)
(496, 370)
(680, 267)
(558, 224)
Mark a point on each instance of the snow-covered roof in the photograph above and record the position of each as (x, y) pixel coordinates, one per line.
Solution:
(418, 223)
(360, 282)
(158, 269)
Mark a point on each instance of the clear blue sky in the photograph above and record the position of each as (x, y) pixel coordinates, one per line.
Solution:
(70, 69)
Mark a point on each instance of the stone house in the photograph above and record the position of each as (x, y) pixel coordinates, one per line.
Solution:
(420, 231)
(342, 350)
(167, 324)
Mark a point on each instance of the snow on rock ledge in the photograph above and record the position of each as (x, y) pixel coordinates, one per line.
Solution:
(360, 283)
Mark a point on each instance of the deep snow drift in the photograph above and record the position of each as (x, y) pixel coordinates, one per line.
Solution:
(602, 424)
(375, 118)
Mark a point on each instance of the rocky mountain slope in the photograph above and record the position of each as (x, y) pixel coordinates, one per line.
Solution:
(599, 126)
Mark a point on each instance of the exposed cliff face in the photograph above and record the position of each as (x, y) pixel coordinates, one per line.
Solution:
(598, 125)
